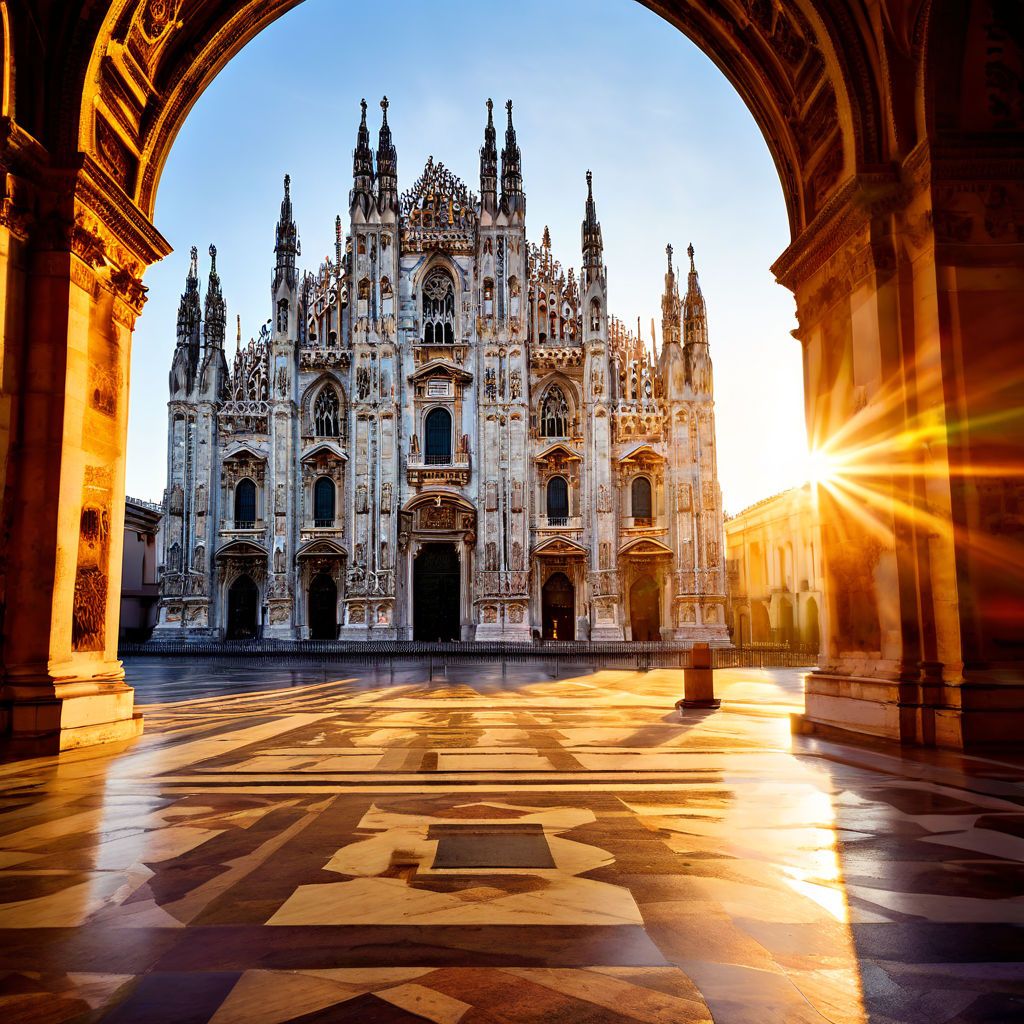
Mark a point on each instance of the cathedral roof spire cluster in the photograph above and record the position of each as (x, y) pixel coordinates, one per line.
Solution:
(374, 187)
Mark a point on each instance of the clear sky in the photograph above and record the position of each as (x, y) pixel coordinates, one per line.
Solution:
(598, 84)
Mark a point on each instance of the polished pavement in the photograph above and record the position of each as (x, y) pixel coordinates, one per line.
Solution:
(319, 844)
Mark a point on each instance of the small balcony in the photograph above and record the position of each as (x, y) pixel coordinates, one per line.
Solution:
(455, 469)
(242, 526)
(644, 523)
(563, 524)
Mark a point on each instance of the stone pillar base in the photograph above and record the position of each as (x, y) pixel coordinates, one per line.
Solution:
(971, 714)
(46, 720)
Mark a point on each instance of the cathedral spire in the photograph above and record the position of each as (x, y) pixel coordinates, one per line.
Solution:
(215, 310)
(670, 306)
(593, 244)
(362, 165)
(695, 334)
(489, 163)
(512, 196)
(695, 326)
(286, 239)
(387, 165)
(189, 313)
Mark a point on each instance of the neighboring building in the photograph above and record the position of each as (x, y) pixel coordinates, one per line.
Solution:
(140, 583)
(773, 550)
(442, 434)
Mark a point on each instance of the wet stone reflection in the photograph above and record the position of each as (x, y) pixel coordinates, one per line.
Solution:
(333, 844)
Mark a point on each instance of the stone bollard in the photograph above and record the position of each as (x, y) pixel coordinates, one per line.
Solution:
(699, 680)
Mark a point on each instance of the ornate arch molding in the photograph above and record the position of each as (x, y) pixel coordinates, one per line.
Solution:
(805, 68)
(137, 68)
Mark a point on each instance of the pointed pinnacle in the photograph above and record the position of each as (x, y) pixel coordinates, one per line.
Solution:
(669, 250)
(287, 185)
(508, 107)
(590, 185)
(689, 252)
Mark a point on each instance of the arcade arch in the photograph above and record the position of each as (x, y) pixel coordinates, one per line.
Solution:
(903, 246)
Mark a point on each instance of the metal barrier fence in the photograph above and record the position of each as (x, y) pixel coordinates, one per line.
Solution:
(639, 655)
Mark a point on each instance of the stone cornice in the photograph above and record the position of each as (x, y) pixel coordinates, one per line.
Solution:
(96, 190)
(846, 213)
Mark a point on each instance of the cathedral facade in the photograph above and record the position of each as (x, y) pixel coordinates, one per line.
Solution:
(441, 434)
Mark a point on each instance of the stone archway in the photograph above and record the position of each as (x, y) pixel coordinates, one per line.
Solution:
(558, 608)
(906, 260)
(323, 607)
(435, 594)
(645, 609)
(243, 609)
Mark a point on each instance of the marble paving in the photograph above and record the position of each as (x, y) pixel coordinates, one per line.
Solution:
(492, 846)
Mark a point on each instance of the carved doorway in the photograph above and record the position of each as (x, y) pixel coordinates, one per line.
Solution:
(243, 604)
(558, 608)
(812, 631)
(645, 609)
(323, 608)
(435, 593)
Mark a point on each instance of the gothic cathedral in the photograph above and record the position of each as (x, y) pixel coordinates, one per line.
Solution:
(441, 435)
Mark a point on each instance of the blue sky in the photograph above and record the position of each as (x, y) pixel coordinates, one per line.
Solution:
(598, 84)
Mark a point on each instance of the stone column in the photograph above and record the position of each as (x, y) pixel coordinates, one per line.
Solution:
(77, 278)
(911, 316)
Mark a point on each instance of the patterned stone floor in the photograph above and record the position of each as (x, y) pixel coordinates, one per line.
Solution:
(504, 848)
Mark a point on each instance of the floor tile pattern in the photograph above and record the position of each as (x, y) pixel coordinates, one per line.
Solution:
(494, 845)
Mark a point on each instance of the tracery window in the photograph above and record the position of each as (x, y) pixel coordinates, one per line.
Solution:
(326, 419)
(438, 431)
(245, 505)
(558, 501)
(641, 498)
(323, 502)
(439, 308)
(554, 413)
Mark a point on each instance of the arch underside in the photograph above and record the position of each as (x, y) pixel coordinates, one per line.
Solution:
(136, 69)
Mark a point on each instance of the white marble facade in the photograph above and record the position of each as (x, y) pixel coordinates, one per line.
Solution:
(441, 434)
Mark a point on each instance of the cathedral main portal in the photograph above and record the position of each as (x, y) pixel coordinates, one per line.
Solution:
(435, 593)
(243, 605)
(558, 607)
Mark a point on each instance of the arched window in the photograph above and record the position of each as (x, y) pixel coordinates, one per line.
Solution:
(245, 505)
(323, 502)
(558, 501)
(325, 413)
(641, 498)
(438, 430)
(554, 413)
(439, 308)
